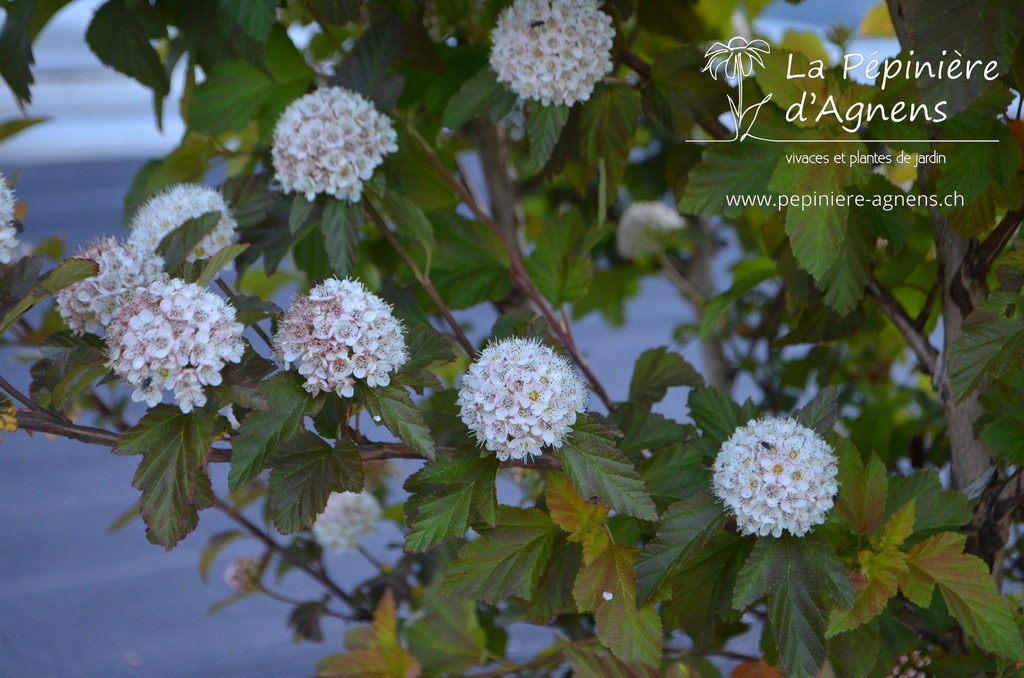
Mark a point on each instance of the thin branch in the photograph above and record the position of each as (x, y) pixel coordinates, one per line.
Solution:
(422, 279)
(927, 355)
(33, 421)
(633, 60)
(26, 401)
(980, 257)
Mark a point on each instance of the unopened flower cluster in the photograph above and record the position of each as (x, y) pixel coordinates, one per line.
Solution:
(552, 51)
(166, 211)
(349, 516)
(643, 227)
(520, 396)
(173, 335)
(8, 231)
(330, 141)
(90, 305)
(341, 332)
(776, 475)
(243, 574)
(910, 666)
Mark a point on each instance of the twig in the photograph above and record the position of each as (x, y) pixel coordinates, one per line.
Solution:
(34, 421)
(26, 401)
(421, 278)
(980, 257)
(927, 355)
(684, 285)
(633, 60)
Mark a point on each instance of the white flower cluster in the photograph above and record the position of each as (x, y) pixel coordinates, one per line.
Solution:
(243, 574)
(553, 51)
(341, 332)
(90, 304)
(910, 666)
(519, 396)
(776, 475)
(643, 227)
(166, 211)
(8, 231)
(348, 517)
(330, 141)
(173, 334)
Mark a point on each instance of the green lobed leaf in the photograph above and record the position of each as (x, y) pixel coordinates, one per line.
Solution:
(179, 244)
(657, 370)
(16, 58)
(66, 273)
(218, 261)
(365, 68)
(504, 561)
(544, 126)
(586, 522)
(717, 416)
(552, 597)
(645, 430)
(800, 576)
(448, 638)
(427, 348)
(172, 474)
(250, 198)
(822, 412)
(476, 96)
(679, 94)
(746, 276)
(937, 509)
(340, 225)
(991, 341)
(596, 468)
(120, 33)
(608, 122)
(845, 280)
(863, 490)
(262, 433)
(607, 587)
(586, 662)
(229, 97)
(969, 592)
(471, 266)
(556, 266)
(399, 414)
(449, 494)
(256, 17)
(299, 213)
(411, 222)
(686, 527)
(306, 470)
(730, 169)
(675, 473)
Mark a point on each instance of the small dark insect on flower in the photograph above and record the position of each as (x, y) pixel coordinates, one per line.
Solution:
(766, 445)
(18, 227)
(147, 382)
(536, 24)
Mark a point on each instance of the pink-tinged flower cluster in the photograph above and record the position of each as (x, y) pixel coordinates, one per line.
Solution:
(552, 51)
(166, 211)
(173, 335)
(330, 141)
(90, 304)
(348, 517)
(776, 475)
(911, 666)
(243, 574)
(338, 333)
(519, 396)
(643, 228)
(8, 231)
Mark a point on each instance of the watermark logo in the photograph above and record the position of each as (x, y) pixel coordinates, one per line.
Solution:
(736, 59)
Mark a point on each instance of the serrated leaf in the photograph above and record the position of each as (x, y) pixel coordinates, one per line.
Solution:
(341, 223)
(249, 197)
(504, 561)
(304, 621)
(675, 473)
(336, 12)
(657, 370)
(584, 521)
(821, 413)
(686, 527)
(586, 662)
(383, 655)
(16, 58)
(399, 414)
(179, 244)
(936, 510)
(172, 474)
(799, 576)
(218, 261)
(644, 430)
(556, 266)
(229, 97)
(476, 96)
(969, 592)
(120, 33)
(299, 213)
(726, 170)
(544, 126)
(607, 124)
(366, 66)
(449, 494)
(471, 266)
(427, 347)
(596, 468)
(991, 342)
(746, 276)
(8, 417)
(680, 94)
(702, 588)
(863, 490)
(448, 638)
(67, 273)
(717, 416)
(262, 432)
(607, 587)
(306, 471)
(256, 17)
(552, 597)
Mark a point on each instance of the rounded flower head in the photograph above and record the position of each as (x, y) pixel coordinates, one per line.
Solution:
(90, 304)
(776, 475)
(643, 227)
(166, 211)
(8, 229)
(348, 517)
(340, 332)
(173, 335)
(243, 574)
(330, 141)
(553, 51)
(910, 666)
(519, 396)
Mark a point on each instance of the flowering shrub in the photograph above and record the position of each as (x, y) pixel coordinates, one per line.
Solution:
(419, 215)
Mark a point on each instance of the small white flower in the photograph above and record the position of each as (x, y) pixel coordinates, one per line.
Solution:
(519, 396)
(776, 475)
(643, 227)
(173, 335)
(348, 517)
(552, 51)
(243, 574)
(8, 231)
(330, 141)
(338, 333)
(90, 304)
(166, 211)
